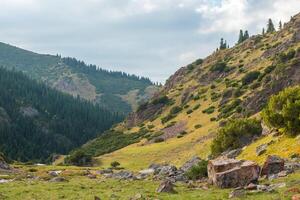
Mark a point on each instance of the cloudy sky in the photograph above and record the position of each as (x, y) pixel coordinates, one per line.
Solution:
(152, 38)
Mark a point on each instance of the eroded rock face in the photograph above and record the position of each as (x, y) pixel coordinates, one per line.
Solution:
(273, 165)
(231, 173)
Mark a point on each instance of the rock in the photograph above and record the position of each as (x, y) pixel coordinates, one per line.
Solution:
(190, 163)
(105, 171)
(137, 197)
(273, 165)
(166, 186)
(261, 149)
(92, 176)
(54, 173)
(123, 175)
(167, 170)
(232, 154)
(237, 194)
(265, 129)
(58, 179)
(5, 180)
(155, 167)
(4, 165)
(296, 197)
(251, 186)
(228, 173)
(147, 172)
(282, 174)
(290, 167)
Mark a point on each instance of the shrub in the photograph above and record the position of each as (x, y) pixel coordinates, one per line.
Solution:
(235, 134)
(167, 118)
(269, 69)
(150, 126)
(199, 61)
(175, 110)
(115, 164)
(283, 111)
(189, 112)
(250, 77)
(79, 158)
(198, 171)
(196, 107)
(209, 110)
(219, 67)
(161, 100)
(158, 140)
(197, 126)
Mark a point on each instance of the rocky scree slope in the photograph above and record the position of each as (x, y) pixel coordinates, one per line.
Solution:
(182, 119)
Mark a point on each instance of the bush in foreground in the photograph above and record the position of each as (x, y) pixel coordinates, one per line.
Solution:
(79, 158)
(235, 134)
(283, 111)
(198, 171)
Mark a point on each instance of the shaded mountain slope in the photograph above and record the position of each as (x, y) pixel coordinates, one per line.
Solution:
(109, 89)
(36, 121)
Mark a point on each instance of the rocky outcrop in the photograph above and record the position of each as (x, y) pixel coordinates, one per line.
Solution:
(261, 149)
(273, 165)
(231, 173)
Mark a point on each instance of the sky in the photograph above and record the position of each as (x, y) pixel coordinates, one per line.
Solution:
(151, 38)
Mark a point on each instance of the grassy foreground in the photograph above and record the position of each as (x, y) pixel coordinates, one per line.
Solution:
(81, 187)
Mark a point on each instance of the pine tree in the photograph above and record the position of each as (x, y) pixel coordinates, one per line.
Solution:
(270, 26)
(241, 37)
(246, 36)
(280, 25)
(263, 31)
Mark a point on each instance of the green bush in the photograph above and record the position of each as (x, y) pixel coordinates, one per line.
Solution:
(189, 112)
(161, 100)
(175, 110)
(198, 171)
(158, 140)
(235, 134)
(79, 158)
(219, 67)
(115, 164)
(196, 107)
(209, 110)
(250, 77)
(197, 126)
(283, 111)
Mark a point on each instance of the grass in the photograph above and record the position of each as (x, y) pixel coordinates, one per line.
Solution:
(83, 188)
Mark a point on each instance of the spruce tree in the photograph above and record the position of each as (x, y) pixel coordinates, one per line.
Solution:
(280, 25)
(241, 37)
(246, 36)
(270, 26)
(263, 31)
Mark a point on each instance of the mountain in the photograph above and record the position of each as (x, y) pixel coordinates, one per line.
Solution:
(37, 121)
(186, 116)
(116, 91)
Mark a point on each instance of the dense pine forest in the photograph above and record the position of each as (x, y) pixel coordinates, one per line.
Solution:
(36, 120)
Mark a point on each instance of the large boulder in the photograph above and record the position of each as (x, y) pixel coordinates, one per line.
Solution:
(231, 173)
(273, 165)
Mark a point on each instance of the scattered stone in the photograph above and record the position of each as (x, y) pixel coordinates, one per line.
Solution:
(291, 167)
(4, 165)
(92, 176)
(105, 171)
(137, 197)
(251, 186)
(282, 174)
(261, 149)
(54, 173)
(166, 186)
(237, 194)
(296, 197)
(167, 170)
(5, 180)
(231, 173)
(273, 165)
(147, 172)
(125, 175)
(265, 129)
(58, 179)
(190, 163)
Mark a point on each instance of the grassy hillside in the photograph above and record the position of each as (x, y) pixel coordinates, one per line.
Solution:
(77, 78)
(198, 99)
(36, 120)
